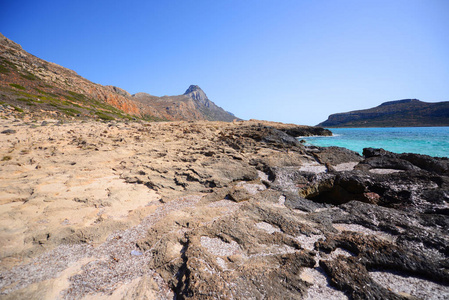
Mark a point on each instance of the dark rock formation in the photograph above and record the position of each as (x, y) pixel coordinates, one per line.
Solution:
(400, 113)
(296, 130)
(439, 165)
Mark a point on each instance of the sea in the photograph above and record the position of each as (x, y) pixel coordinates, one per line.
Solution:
(433, 141)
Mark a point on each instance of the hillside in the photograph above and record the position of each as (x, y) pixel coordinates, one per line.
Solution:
(36, 87)
(400, 113)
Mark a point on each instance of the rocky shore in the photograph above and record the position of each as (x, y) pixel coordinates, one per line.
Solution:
(214, 210)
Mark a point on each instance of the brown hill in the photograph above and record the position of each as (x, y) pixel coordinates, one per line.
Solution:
(192, 105)
(37, 87)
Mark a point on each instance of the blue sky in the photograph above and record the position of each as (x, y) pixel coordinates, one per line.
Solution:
(290, 61)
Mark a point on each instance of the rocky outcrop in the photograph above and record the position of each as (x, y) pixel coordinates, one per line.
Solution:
(400, 113)
(118, 90)
(196, 93)
(209, 109)
(8, 43)
(215, 210)
(439, 165)
(297, 130)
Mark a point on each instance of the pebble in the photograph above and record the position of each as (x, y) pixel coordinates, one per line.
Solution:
(8, 131)
(136, 253)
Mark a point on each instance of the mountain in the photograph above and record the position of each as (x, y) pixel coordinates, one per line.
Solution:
(34, 86)
(399, 113)
(192, 105)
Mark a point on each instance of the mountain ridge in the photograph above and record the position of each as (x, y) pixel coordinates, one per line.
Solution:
(397, 113)
(33, 85)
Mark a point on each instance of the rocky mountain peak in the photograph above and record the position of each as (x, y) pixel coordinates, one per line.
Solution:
(192, 88)
(196, 93)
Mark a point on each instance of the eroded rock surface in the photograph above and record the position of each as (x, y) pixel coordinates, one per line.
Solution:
(211, 210)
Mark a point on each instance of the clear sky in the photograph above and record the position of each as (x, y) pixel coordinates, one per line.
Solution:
(283, 60)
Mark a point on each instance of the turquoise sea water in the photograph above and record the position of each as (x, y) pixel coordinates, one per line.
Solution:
(433, 141)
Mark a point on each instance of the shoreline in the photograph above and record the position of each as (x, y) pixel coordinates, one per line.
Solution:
(430, 141)
(383, 127)
(92, 209)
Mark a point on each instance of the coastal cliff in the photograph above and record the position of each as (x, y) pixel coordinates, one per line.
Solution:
(214, 210)
(400, 113)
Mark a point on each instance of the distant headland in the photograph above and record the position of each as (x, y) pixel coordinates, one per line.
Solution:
(399, 113)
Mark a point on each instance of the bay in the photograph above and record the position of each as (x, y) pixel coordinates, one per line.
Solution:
(433, 141)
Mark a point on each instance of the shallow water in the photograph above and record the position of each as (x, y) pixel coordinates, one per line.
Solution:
(433, 141)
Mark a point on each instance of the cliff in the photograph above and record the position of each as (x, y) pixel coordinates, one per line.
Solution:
(400, 113)
(37, 87)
